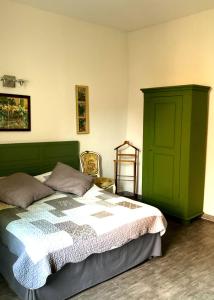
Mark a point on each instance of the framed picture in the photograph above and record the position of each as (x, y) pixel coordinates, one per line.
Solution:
(82, 109)
(14, 112)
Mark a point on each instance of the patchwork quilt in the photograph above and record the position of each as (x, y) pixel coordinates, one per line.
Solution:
(62, 229)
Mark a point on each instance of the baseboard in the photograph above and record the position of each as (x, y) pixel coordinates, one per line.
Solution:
(208, 217)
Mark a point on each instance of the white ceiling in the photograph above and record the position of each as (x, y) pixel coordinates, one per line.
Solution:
(127, 15)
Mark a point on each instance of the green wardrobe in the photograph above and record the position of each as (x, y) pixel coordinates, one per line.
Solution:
(174, 149)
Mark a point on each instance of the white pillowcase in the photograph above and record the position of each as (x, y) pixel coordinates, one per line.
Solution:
(43, 177)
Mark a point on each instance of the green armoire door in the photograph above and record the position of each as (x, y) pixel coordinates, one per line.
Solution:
(169, 138)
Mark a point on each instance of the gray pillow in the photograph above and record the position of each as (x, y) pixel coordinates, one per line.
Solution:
(66, 179)
(21, 190)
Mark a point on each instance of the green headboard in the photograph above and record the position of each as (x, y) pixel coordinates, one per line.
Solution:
(37, 158)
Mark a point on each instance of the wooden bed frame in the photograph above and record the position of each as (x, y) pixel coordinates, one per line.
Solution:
(37, 158)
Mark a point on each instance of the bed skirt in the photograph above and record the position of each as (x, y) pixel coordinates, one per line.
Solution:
(76, 277)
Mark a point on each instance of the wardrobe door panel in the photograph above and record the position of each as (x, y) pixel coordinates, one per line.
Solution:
(162, 150)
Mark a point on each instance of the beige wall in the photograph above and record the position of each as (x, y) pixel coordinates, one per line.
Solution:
(178, 52)
(54, 53)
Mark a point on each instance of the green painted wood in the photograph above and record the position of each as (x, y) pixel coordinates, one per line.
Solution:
(174, 149)
(37, 158)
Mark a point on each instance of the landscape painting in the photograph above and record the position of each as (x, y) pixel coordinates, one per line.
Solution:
(14, 112)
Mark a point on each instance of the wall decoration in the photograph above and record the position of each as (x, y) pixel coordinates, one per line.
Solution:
(14, 112)
(82, 109)
(11, 80)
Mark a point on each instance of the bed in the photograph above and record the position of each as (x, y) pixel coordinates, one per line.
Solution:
(96, 207)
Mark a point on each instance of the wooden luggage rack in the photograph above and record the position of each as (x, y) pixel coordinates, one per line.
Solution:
(126, 158)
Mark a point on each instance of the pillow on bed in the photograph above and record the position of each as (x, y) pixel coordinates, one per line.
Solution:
(21, 190)
(66, 179)
(43, 177)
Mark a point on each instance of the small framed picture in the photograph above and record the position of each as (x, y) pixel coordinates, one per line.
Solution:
(82, 109)
(14, 112)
